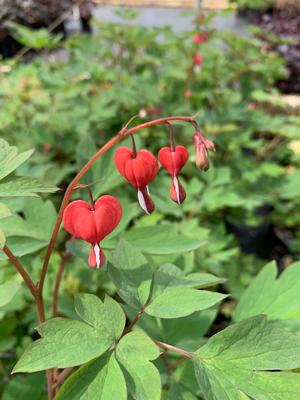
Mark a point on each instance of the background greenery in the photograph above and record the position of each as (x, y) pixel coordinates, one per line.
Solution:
(240, 213)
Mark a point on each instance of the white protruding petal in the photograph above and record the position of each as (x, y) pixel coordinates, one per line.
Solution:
(142, 202)
(97, 254)
(148, 191)
(176, 186)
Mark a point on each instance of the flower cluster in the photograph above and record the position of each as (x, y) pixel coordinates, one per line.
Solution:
(92, 222)
(199, 38)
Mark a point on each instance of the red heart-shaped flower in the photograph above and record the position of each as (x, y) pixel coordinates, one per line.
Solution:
(140, 170)
(92, 225)
(173, 161)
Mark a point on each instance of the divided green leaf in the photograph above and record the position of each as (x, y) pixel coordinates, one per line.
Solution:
(277, 298)
(173, 294)
(143, 379)
(152, 240)
(10, 159)
(236, 363)
(24, 186)
(67, 343)
(131, 274)
(100, 379)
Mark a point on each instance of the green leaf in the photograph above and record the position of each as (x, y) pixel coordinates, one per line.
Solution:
(173, 296)
(2, 239)
(67, 343)
(179, 392)
(182, 301)
(152, 240)
(21, 246)
(276, 298)
(4, 211)
(24, 187)
(100, 379)
(7, 292)
(10, 159)
(168, 276)
(232, 364)
(187, 332)
(291, 188)
(143, 379)
(27, 387)
(38, 221)
(131, 274)
(108, 316)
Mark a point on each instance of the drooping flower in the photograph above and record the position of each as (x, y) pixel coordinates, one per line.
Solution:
(198, 58)
(139, 169)
(200, 37)
(173, 161)
(92, 223)
(202, 145)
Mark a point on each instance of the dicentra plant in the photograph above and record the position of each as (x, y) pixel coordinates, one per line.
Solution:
(143, 340)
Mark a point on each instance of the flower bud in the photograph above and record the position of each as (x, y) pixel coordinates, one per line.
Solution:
(202, 161)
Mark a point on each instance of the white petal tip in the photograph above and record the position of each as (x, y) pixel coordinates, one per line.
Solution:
(142, 201)
(176, 186)
(97, 254)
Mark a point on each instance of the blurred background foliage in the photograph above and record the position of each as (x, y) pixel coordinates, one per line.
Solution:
(69, 101)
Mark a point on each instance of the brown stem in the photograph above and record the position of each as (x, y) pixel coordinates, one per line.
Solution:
(134, 321)
(15, 261)
(172, 143)
(64, 260)
(182, 352)
(133, 146)
(91, 198)
(37, 297)
(165, 361)
(62, 376)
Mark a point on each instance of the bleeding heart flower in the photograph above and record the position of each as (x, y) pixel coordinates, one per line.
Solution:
(173, 162)
(198, 58)
(202, 145)
(139, 170)
(200, 38)
(93, 224)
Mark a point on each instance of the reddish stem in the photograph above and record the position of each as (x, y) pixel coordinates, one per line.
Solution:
(15, 261)
(172, 142)
(134, 321)
(92, 205)
(133, 146)
(59, 275)
(182, 352)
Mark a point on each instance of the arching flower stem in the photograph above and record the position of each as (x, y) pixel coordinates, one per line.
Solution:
(68, 193)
